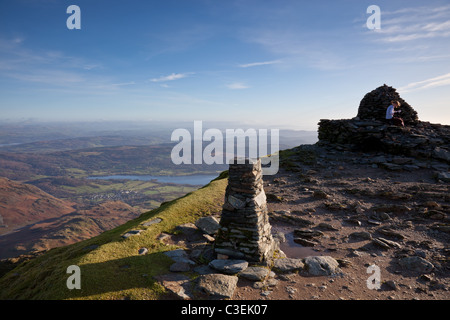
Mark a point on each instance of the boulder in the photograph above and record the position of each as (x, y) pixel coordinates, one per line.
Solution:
(322, 266)
(217, 286)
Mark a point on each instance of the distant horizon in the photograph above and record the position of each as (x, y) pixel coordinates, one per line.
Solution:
(261, 63)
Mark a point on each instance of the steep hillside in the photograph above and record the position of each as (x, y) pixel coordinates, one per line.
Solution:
(22, 204)
(67, 229)
(111, 265)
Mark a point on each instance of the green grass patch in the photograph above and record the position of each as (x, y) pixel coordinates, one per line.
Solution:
(114, 269)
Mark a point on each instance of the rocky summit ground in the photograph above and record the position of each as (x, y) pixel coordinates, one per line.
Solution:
(361, 209)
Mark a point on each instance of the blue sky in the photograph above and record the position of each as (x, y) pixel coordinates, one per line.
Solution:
(282, 63)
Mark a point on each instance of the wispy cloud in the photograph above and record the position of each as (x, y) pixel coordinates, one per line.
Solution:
(171, 77)
(237, 86)
(411, 24)
(443, 80)
(256, 64)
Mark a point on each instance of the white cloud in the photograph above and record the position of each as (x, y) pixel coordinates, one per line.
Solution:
(256, 64)
(439, 81)
(171, 77)
(237, 86)
(410, 24)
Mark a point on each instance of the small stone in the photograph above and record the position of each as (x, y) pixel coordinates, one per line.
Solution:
(363, 235)
(307, 233)
(151, 222)
(271, 282)
(327, 226)
(290, 290)
(131, 233)
(143, 251)
(391, 284)
(305, 242)
(320, 194)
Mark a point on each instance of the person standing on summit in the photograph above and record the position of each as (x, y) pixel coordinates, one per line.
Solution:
(390, 114)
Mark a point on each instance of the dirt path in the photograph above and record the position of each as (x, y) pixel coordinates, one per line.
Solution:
(352, 200)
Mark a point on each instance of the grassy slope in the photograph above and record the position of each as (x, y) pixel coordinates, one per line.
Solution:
(114, 270)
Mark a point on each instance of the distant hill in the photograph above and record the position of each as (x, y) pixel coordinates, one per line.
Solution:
(33, 220)
(23, 204)
(66, 229)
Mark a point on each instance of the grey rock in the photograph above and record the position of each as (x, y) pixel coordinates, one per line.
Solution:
(391, 285)
(179, 255)
(319, 194)
(208, 225)
(217, 286)
(322, 266)
(229, 266)
(416, 263)
(151, 222)
(307, 233)
(442, 154)
(131, 233)
(305, 242)
(288, 265)
(143, 251)
(254, 273)
(443, 176)
(204, 269)
(327, 226)
(180, 267)
(386, 244)
(363, 235)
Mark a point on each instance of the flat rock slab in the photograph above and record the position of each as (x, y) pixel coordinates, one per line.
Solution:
(179, 255)
(216, 285)
(131, 233)
(178, 284)
(229, 266)
(180, 267)
(287, 265)
(322, 266)
(255, 273)
(151, 222)
(208, 225)
(204, 269)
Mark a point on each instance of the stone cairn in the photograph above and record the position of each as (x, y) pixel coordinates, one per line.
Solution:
(374, 104)
(245, 231)
(369, 131)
